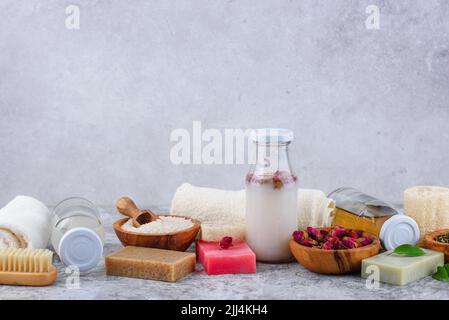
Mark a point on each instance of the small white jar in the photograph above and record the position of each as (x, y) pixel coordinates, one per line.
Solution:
(77, 233)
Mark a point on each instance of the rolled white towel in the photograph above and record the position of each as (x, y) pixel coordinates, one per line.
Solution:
(222, 212)
(209, 205)
(24, 223)
(314, 209)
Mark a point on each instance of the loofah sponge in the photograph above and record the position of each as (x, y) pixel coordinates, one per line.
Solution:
(428, 206)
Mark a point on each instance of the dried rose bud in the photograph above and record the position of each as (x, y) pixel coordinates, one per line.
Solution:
(338, 233)
(288, 178)
(364, 241)
(324, 232)
(349, 243)
(314, 233)
(309, 242)
(353, 234)
(338, 245)
(333, 239)
(329, 245)
(298, 236)
(226, 242)
(277, 182)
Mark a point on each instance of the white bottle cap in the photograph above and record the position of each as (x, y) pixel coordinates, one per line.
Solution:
(399, 229)
(81, 247)
(273, 135)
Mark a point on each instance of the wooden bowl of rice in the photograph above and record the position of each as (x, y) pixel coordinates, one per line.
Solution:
(179, 240)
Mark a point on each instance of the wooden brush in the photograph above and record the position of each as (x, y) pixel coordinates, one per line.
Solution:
(26, 267)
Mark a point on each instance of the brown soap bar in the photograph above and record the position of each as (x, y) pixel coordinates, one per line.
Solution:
(150, 263)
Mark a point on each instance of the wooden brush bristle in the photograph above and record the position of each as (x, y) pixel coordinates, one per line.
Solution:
(25, 260)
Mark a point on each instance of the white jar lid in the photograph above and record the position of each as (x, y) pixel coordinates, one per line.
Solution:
(399, 229)
(273, 135)
(81, 247)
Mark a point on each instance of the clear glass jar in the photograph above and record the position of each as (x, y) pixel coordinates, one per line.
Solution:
(77, 233)
(271, 197)
(359, 211)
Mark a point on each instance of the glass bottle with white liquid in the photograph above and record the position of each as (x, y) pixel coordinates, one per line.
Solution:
(271, 197)
(77, 233)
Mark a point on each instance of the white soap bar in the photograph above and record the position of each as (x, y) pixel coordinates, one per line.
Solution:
(400, 269)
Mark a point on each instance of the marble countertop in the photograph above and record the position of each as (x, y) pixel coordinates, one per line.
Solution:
(272, 281)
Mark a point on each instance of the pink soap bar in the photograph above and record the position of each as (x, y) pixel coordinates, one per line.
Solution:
(238, 258)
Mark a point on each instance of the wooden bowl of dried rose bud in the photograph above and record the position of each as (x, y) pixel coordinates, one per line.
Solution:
(438, 241)
(333, 250)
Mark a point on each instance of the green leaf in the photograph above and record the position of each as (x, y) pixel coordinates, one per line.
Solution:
(441, 274)
(446, 266)
(409, 250)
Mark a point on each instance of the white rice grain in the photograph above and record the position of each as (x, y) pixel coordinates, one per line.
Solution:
(162, 225)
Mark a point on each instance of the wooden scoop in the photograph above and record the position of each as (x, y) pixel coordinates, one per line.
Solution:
(127, 207)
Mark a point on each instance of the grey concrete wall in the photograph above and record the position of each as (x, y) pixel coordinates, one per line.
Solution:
(89, 111)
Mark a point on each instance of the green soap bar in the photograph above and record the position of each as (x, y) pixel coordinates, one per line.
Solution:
(401, 270)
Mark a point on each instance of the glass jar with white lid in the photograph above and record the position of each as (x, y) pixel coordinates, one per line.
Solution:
(271, 197)
(77, 233)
